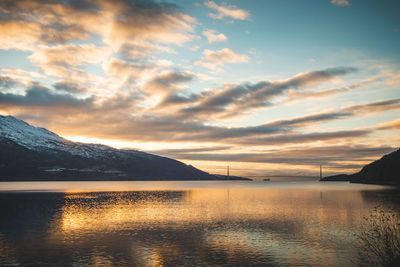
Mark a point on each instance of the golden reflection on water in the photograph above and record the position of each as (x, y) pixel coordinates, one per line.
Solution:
(82, 211)
(216, 225)
(257, 221)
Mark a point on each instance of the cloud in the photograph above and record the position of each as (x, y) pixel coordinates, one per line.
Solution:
(22, 74)
(71, 55)
(374, 107)
(122, 69)
(310, 119)
(289, 127)
(340, 2)
(188, 114)
(7, 83)
(147, 22)
(226, 11)
(68, 61)
(326, 155)
(394, 80)
(167, 82)
(220, 57)
(122, 117)
(11, 32)
(174, 99)
(132, 75)
(125, 75)
(41, 97)
(27, 23)
(190, 150)
(213, 36)
(304, 137)
(61, 37)
(15, 80)
(141, 51)
(69, 87)
(294, 95)
(118, 23)
(195, 48)
(234, 100)
(391, 125)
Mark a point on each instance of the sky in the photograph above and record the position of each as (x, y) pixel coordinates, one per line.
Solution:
(267, 87)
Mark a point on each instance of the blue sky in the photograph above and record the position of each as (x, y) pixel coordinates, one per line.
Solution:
(268, 87)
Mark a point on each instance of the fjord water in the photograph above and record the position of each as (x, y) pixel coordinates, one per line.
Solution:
(226, 223)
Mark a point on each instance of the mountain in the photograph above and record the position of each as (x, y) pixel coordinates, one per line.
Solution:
(336, 178)
(384, 171)
(33, 153)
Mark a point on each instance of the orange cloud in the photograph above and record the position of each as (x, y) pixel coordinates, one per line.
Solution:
(220, 57)
(70, 54)
(117, 22)
(391, 125)
(226, 11)
(213, 36)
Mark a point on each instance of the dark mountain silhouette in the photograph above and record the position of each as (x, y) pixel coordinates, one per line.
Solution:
(385, 171)
(32, 153)
(337, 178)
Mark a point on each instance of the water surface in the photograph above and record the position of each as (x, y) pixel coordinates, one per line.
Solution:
(226, 223)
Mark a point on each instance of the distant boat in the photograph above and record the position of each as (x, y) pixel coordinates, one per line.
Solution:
(266, 179)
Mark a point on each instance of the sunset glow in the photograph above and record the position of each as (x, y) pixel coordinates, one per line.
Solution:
(266, 87)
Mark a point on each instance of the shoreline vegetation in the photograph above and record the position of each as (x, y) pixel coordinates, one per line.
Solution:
(379, 239)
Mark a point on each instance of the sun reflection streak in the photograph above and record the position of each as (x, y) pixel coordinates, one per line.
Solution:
(83, 212)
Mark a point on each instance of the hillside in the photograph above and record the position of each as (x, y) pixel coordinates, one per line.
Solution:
(32, 153)
(385, 171)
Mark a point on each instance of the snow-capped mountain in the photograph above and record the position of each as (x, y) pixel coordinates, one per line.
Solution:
(33, 153)
(27, 135)
(41, 139)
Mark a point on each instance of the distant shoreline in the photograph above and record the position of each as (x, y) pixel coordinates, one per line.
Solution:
(231, 178)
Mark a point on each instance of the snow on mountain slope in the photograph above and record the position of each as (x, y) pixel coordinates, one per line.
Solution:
(40, 139)
(26, 135)
(29, 153)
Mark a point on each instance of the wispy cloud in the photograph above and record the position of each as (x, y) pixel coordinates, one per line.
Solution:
(212, 59)
(391, 125)
(326, 155)
(226, 11)
(293, 95)
(340, 2)
(190, 150)
(72, 55)
(167, 82)
(236, 99)
(213, 36)
(303, 137)
(394, 80)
